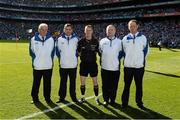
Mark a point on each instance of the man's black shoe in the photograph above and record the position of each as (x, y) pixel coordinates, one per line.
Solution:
(112, 103)
(60, 100)
(123, 106)
(76, 101)
(48, 101)
(141, 107)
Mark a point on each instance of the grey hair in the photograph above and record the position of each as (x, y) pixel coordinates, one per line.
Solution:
(42, 25)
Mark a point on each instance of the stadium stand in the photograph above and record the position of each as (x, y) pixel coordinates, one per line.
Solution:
(159, 19)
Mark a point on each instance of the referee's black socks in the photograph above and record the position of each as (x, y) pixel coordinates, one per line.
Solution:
(83, 88)
(96, 90)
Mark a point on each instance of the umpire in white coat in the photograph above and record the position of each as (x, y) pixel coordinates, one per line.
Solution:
(110, 54)
(67, 55)
(135, 47)
(42, 50)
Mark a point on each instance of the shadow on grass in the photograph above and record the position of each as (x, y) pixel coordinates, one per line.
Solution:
(172, 50)
(89, 111)
(57, 114)
(143, 114)
(137, 113)
(165, 74)
(115, 112)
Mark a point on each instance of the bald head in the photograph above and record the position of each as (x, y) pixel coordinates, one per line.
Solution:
(110, 31)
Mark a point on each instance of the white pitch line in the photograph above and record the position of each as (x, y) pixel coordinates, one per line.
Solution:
(51, 109)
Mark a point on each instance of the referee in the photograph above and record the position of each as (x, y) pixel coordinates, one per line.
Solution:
(66, 51)
(135, 47)
(87, 49)
(111, 52)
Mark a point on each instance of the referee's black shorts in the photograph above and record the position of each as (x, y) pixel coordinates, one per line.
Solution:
(88, 68)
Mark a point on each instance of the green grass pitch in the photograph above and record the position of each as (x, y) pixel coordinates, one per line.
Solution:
(161, 89)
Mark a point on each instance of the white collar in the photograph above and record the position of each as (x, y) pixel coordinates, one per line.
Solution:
(68, 36)
(133, 35)
(111, 38)
(41, 37)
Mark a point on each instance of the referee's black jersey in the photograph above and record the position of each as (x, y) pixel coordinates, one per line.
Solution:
(88, 50)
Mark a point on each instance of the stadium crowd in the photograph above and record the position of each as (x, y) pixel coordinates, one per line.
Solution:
(86, 16)
(50, 3)
(167, 31)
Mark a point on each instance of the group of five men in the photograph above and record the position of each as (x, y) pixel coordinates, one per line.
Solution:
(133, 47)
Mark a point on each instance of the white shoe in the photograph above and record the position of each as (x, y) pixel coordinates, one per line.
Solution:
(97, 100)
(82, 100)
(105, 103)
